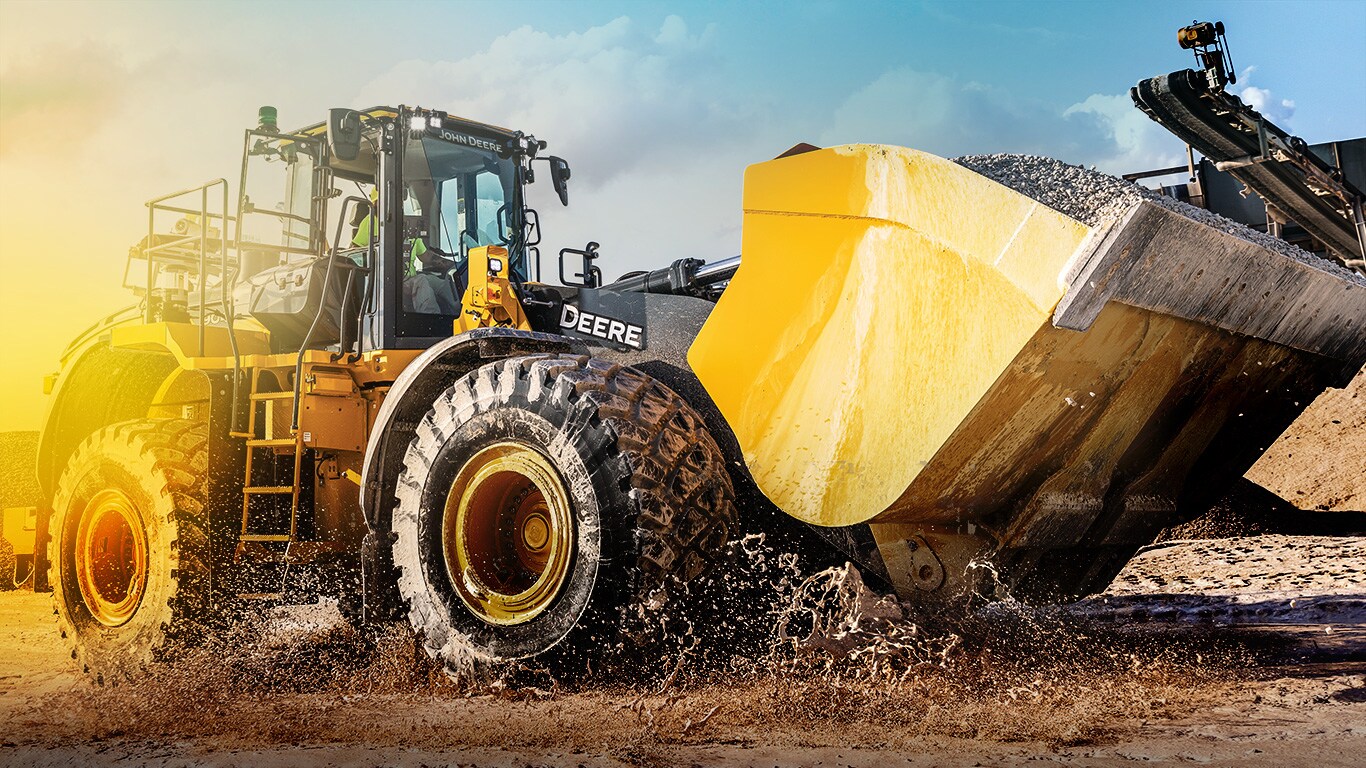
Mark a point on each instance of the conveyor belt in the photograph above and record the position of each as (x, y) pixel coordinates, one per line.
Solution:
(1280, 168)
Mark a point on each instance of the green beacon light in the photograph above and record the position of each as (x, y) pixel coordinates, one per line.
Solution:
(266, 118)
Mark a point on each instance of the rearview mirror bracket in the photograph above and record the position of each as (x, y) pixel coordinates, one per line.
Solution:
(343, 133)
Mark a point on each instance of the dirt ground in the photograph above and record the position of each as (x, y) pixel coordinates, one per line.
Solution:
(1247, 650)
(1135, 676)
(1318, 463)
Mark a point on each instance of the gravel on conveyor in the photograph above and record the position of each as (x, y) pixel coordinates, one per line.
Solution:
(1096, 198)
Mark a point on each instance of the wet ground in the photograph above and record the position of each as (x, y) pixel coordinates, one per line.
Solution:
(1208, 649)
(1247, 651)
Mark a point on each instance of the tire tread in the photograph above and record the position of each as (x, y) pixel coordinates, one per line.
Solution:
(172, 455)
(682, 512)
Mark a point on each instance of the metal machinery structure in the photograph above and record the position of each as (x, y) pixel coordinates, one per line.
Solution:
(1205, 186)
(1297, 184)
(360, 387)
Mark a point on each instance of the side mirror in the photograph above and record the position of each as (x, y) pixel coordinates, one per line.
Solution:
(559, 178)
(343, 133)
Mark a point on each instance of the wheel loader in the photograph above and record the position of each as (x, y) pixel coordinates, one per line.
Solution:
(350, 379)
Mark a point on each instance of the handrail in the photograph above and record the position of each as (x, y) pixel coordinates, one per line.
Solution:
(211, 214)
(152, 249)
(208, 184)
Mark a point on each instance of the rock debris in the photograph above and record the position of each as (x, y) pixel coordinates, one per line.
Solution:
(1096, 199)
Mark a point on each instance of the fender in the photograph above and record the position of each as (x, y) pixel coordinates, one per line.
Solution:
(118, 369)
(91, 348)
(650, 332)
(412, 394)
(99, 385)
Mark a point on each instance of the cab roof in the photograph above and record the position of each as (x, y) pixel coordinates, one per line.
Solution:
(375, 113)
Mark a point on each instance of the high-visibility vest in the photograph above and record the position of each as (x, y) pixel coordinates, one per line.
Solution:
(362, 239)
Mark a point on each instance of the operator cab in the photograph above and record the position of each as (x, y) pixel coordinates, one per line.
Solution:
(379, 212)
(445, 185)
(455, 197)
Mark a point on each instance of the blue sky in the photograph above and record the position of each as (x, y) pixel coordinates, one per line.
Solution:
(1056, 52)
(658, 106)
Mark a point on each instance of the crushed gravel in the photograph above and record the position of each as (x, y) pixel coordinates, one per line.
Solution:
(18, 481)
(1096, 198)
(18, 487)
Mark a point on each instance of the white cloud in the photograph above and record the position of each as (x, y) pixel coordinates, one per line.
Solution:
(937, 113)
(657, 141)
(1134, 142)
(608, 96)
(1273, 109)
(1276, 110)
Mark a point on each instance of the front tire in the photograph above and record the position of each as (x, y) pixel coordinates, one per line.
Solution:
(556, 506)
(128, 554)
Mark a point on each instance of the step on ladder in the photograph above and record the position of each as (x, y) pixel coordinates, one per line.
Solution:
(292, 444)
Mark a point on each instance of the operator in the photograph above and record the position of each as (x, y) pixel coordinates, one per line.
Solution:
(366, 223)
(361, 238)
(427, 286)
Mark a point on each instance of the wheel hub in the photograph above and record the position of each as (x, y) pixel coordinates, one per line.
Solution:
(111, 558)
(536, 532)
(508, 534)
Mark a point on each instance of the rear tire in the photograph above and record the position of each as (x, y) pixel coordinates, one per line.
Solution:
(618, 468)
(128, 554)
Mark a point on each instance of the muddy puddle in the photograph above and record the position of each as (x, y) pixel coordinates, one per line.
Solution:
(836, 674)
(830, 653)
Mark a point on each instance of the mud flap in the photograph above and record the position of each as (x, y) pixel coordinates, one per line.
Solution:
(380, 600)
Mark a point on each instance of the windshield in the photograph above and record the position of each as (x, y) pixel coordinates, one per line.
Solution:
(460, 197)
(278, 192)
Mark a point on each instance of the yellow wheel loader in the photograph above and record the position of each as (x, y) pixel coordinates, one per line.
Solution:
(349, 379)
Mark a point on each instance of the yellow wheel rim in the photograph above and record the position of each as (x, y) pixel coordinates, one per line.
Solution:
(111, 558)
(507, 534)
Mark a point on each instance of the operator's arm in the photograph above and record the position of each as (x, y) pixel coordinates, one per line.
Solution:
(429, 258)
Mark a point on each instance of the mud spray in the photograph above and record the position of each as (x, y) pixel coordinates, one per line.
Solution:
(772, 648)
